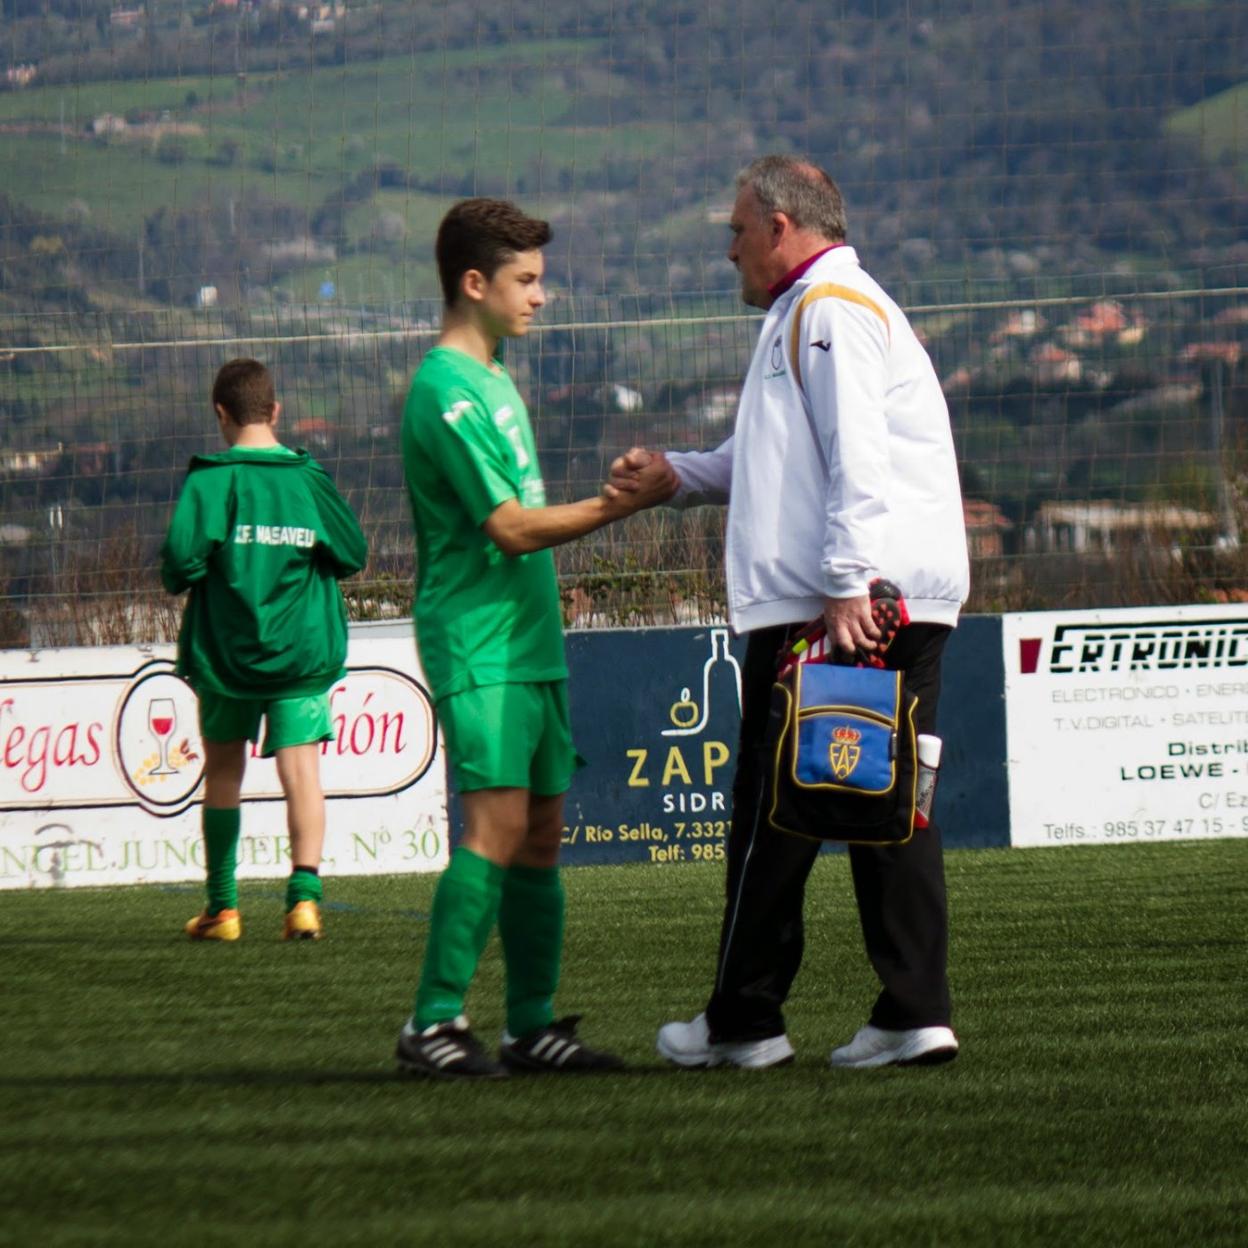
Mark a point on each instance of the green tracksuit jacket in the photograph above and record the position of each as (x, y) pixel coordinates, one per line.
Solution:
(261, 537)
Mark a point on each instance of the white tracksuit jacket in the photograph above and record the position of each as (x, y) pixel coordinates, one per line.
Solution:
(841, 466)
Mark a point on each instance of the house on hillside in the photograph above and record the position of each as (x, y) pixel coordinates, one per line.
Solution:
(959, 379)
(1228, 353)
(1055, 366)
(18, 76)
(986, 528)
(92, 459)
(108, 123)
(1171, 398)
(1103, 526)
(1022, 323)
(713, 409)
(315, 434)
(1105, 321)
(15, 463)
(321, 16)
(1102, 319)
(623, 398)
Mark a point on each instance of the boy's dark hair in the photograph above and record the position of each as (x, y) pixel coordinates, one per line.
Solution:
(483, 234)
(245, 389)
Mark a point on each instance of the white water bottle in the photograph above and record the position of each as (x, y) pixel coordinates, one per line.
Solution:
(929, 768)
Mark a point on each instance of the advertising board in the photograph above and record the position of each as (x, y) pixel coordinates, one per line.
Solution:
(101, 770)
(1127, 726)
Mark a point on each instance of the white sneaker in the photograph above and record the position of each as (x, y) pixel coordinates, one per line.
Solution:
(873, 1046)
(689, 1044)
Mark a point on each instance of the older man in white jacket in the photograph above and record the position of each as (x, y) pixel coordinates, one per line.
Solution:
(841, 469)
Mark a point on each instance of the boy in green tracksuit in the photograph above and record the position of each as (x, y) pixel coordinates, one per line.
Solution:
(490, 633)
(260, 537)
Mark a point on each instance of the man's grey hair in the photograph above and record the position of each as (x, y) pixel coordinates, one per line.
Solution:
(800, 190)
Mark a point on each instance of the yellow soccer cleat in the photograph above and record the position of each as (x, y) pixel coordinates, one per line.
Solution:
(224, 925)
(303, 922)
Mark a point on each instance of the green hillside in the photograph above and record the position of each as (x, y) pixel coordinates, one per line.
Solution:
(289, 164)
(1220, 126)
(258, 148)
(362, 158)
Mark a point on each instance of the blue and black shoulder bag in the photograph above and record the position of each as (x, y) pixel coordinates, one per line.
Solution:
(842, 754)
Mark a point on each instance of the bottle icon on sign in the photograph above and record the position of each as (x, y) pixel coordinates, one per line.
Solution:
(162, 719)
(721, 684)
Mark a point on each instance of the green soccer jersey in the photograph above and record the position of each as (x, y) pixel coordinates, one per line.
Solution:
(260, 537)
(482, 617)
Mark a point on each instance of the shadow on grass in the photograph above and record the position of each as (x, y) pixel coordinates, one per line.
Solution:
(309, 1078)
(252, 893)
(206, 1078)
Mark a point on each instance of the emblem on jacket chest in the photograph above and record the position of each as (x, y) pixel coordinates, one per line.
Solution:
(776, 360)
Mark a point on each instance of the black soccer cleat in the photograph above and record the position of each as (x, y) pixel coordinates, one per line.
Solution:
(812, 645)
(556, 1049)
(445, 1051)
(889, 611)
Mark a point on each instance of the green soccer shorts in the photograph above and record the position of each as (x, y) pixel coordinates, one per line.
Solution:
(287, 721)
(510, 736)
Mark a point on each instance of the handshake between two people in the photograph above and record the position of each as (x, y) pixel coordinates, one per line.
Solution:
(639, 479)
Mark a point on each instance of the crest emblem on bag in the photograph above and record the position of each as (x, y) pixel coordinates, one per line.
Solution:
(845, 751)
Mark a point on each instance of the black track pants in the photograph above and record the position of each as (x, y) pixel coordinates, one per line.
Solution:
(900, 889)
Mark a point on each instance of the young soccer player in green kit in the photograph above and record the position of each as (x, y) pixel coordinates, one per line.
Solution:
(490, 634)
(260, 537)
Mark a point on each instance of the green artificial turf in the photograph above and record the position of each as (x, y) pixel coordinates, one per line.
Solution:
(154, 1091)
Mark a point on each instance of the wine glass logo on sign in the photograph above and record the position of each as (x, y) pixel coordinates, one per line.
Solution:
(158, 750)
(162, 718)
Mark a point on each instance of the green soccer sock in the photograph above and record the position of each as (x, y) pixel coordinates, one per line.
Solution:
(221, 828)
(530, 921)
(304, 885)
(465, 907)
